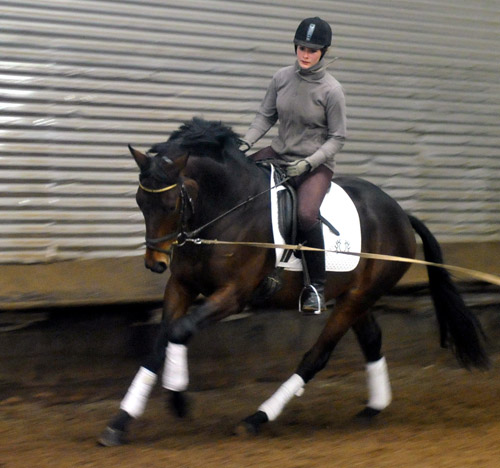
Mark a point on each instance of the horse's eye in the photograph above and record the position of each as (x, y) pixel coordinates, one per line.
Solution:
(169, 205)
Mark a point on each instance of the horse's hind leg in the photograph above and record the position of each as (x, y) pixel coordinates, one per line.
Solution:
(369, 338)
(349, 307)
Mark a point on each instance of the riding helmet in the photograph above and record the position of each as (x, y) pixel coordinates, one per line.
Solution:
(314, 33)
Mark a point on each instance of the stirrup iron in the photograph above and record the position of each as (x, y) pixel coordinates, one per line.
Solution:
(318, 300)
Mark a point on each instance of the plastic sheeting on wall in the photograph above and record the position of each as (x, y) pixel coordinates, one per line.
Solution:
(79, 80)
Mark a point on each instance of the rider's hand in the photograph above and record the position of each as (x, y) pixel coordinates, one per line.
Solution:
(244, 146)
(297, 168)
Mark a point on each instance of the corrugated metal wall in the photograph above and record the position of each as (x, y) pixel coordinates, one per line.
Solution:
(81, 79)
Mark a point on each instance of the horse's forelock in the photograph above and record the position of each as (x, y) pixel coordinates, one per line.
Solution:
(155, 172)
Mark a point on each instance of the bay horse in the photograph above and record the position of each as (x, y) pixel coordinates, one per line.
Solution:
(190, 185)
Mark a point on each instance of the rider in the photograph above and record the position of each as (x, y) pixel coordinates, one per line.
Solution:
(310, 107)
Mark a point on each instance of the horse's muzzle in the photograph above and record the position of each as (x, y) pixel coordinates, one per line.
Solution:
(157, 267)
(155, 261)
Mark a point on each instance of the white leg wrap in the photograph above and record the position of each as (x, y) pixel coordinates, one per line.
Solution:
(175, 373)
(274, 406)
(379, 387)
(138, 393)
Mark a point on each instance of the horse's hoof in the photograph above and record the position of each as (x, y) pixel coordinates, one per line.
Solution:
(245, 429)
(366, 415)
(179, 404)
(251, 426)
(111, 437)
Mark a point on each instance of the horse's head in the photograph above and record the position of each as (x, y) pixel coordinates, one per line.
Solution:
(169, 184)
(159, 196)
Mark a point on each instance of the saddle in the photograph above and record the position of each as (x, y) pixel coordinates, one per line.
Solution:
(345, 236)
(286, 200)
(286, 207)
(287, 221)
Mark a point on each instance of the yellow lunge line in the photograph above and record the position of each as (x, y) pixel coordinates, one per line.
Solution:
(493, 279)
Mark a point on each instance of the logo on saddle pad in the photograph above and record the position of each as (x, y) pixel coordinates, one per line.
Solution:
(339, 210)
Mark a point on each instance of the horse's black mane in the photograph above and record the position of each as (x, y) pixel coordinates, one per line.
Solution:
(199, 136)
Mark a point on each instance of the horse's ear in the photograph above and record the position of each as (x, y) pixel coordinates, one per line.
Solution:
(180, 162)
(141, 159)
(177, 164)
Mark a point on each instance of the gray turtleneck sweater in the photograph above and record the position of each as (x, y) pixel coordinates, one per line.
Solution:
(310, 107)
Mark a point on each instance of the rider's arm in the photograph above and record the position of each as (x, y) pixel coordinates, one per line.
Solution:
(266, 116)
(336, 119)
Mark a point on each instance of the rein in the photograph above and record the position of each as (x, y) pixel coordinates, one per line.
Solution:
(189, 235)
(181, 236)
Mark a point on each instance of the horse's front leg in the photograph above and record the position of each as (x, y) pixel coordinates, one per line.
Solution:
(221, 304)
(177, 299)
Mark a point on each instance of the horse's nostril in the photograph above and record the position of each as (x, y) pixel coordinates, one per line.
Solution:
(156, 267)
(159, 267)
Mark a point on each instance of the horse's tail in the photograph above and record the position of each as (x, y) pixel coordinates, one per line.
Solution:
(458, 325)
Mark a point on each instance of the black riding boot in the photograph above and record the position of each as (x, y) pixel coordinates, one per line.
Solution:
(313, 296)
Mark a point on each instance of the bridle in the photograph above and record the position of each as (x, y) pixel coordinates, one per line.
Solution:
(186, 210)
(185, 203)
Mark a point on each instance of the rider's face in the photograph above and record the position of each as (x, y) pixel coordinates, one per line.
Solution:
(308, 57)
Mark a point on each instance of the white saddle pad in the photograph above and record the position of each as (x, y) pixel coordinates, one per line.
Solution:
(339, 210)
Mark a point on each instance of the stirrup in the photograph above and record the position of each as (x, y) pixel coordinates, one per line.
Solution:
(319, 309)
